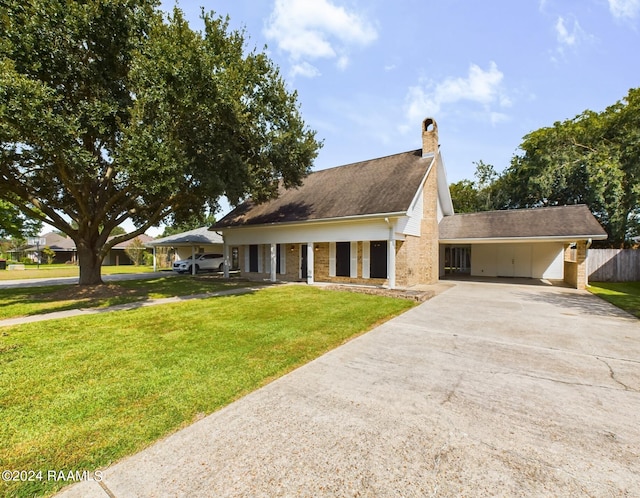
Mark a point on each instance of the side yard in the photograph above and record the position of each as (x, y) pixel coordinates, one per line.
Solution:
(81, 393)
(624, 295)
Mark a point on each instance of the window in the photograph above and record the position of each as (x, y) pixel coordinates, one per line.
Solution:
(235, 258)
(343, 259)
(378, 261)
(253, 258)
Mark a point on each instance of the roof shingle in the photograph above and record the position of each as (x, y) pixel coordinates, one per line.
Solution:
(378, 186)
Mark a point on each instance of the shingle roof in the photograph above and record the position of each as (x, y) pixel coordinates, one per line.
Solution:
(378, 186)
(57, 242)
(196, 236)
(144, 238)
(554, 222)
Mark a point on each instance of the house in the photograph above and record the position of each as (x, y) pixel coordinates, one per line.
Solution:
(63, 246)
(388, 222)
(65, 250)
(186, 244)
(118, 255)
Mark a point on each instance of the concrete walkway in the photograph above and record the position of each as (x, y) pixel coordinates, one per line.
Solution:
(485, 390)
(37, 282)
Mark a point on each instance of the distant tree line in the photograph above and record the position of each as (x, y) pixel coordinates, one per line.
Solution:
(592, 159)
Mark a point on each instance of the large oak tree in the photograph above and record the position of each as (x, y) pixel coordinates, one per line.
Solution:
(593, 158)
(112, 110)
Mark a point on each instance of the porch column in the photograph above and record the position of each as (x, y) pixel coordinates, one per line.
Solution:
(155, 265)
(193, 260)
(225, 251)
(310, 263)
(274, 262)
(391, 264)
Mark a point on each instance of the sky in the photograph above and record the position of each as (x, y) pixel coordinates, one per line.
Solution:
(367, 72)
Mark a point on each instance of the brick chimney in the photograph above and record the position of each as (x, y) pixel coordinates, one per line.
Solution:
(429, 137)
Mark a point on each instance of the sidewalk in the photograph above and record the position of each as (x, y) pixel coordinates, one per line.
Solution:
(123, 307)
(37, 282)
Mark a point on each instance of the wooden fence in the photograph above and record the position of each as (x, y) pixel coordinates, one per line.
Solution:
(614, 265)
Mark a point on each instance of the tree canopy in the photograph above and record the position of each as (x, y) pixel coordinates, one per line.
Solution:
(112, 110)
(14, 224)
(591, 159)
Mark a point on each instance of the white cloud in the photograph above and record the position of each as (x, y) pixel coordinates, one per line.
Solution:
(564, 37)
(624, 9)
(569, 37)
(318, 29)
(480, 87)
(304, 69)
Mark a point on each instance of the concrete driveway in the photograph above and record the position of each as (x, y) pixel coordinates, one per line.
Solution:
(485, 390)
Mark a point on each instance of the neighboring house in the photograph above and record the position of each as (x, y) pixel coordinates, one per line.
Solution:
(117, 254)
(65, 249)
(63, 246)
(185, 244)
(390, 222)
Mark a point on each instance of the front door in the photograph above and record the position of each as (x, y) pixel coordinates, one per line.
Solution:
(303, 261)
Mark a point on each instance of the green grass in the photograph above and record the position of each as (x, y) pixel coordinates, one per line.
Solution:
(36, 300)
(61, 270)
(624, 295)
(81, 393)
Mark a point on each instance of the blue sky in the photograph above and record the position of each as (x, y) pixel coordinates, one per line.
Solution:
(368, 72)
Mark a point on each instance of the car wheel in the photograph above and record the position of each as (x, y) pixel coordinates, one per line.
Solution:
(221, 267)
(197, 268)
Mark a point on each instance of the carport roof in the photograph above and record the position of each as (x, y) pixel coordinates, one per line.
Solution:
(560, 222)
(197, 236)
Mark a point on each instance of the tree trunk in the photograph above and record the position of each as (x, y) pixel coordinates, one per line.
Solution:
(90, 263)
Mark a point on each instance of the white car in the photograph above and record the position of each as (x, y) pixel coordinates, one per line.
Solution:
(203, 261)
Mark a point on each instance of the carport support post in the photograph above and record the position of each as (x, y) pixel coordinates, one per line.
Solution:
(193, 260)
(310, 262)
(274, 252)
(225, 268)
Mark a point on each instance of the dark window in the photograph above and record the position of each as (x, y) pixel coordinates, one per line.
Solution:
(278, 259)
(253, 258)
(378, 262)
(303, 261)
(343, 259)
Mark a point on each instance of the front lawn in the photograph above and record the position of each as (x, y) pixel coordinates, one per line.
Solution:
(37, 300)
(81, 393)
(624, 295)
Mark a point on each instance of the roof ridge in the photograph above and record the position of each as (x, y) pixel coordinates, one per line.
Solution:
(369, 160)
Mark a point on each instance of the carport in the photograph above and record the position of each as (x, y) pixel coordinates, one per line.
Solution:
(186, 244)
(548, 243)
